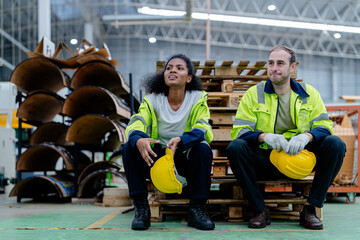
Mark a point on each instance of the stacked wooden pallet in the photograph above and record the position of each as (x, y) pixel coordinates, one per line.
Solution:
(226, 84)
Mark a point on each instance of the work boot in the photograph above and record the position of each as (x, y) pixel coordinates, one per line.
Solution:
(198, 216)
(142, 213)
(261, 219)
(308, 218)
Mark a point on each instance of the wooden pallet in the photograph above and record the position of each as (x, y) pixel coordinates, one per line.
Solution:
(282, 204)
(227, 77)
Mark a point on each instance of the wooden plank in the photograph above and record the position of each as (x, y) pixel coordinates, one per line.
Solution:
(222, 109)
(241, 66)
(259, 65)
(196, 65)
(294, 200)
(208, 67)
(349, 98)
(222, 134)
(160, 66)
(222, 99)
(222, 119)
(225, 69)
(219, 78)
(227, 86)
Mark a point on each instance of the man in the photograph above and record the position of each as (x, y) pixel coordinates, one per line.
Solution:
(283, 114)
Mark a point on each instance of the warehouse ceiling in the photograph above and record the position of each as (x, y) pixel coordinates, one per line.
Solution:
(117, 19)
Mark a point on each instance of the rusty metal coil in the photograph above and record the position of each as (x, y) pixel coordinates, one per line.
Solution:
(40, 186)
(43, 157)
(40, 106)
(38, 73)
(93, 130)
(94, 183)
(51, 132)
(102, 74)
(93, 167)
(95, 100)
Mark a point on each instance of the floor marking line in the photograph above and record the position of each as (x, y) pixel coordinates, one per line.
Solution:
(113, 214)
(105, 219)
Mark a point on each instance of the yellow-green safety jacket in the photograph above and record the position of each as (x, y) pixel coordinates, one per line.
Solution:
(146, 121)
(258, 108)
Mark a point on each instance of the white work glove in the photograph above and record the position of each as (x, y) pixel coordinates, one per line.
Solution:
(297, 144)
(276, 141)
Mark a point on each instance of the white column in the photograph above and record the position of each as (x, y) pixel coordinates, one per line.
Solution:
(89, 32)
(334, 80)
(44, 19)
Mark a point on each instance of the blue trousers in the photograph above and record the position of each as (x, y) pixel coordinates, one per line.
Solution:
(195, 167)
(250, 163)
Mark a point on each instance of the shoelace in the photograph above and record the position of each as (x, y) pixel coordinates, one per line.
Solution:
(142, 209)
(200, 212)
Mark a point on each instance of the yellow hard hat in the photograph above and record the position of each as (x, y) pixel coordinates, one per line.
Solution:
(162, 174)
(295, 166)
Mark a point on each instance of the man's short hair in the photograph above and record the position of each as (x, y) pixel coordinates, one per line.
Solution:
(286, 49)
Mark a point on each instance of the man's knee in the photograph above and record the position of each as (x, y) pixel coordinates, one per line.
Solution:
(238, 146)
(335, 144)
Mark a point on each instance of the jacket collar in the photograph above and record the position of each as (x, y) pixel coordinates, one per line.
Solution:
(295, 86)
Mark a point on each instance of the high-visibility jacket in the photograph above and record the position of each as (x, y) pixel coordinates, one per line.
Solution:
(258, 108)
(146, 121)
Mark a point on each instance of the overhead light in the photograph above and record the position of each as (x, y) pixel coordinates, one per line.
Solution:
(271, 7)
(160, 12)
(73, 41)
(253, 20)
(152, 40)
(337, 35)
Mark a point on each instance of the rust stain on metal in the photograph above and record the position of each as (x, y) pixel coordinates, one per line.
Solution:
(45, 186)
(51, 132)
(43, 157)
(38, 73)
(93, 130)
(100, 74)
(91, 179)
(40, 106)
(95, 100)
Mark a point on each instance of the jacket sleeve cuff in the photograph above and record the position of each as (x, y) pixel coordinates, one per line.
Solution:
(319, 133)
(190, 139)
(136, 135)
(251, 137)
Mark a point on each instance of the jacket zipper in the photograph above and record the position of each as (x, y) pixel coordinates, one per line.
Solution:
(277, 111)
(295, 110)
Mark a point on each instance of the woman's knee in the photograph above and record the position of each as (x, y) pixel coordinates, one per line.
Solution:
(202, 148)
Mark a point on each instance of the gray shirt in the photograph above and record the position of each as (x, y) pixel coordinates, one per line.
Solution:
(284, 121)
(172, 123)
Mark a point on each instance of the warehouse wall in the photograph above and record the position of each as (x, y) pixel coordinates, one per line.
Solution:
(138, 56)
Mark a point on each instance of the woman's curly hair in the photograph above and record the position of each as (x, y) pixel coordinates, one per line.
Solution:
(155, 83)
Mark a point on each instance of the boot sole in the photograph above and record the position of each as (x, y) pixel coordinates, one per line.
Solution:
(311, 227)
(268, 222)
(192, 224)
(140, 227)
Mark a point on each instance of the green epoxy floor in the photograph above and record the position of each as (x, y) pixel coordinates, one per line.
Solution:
(40, 221)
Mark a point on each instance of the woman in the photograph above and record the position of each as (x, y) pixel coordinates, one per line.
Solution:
(174, 114)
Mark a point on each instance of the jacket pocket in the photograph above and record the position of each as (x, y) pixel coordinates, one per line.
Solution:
(304, 118)
(263, 115)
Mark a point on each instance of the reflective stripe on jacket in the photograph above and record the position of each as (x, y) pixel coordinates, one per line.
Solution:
(258, 108)
(146, 121)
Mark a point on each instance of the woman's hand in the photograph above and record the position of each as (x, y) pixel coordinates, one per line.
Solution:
(173, 143)
(143, 145)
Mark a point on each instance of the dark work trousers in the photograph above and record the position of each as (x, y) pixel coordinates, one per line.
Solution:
(250, 163)
(195, 166)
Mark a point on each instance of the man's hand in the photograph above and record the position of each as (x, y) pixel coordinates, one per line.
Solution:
(297, 144)
(143, 144)
(173, 143)
(276, 141)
